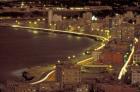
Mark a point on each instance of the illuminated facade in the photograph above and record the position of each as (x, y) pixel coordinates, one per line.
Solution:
(68, 74)
(135, 75)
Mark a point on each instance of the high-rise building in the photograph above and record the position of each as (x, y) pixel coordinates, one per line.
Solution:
(138, 19)
(135, 76)
(136, 56)
(50, 14)
(129, 14)
(68, 74)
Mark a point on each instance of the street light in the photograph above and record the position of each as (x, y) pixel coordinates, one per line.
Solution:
(73, 56)
(43, 19)
(69, 57)
(30, 22)
(35, 22)
(84, 53)
(94, 18)
(38, 19)
(58, 61)
(35, 32)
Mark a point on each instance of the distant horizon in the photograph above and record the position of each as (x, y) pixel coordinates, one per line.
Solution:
(7, 0)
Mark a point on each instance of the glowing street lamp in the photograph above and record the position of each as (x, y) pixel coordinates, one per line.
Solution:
(30, 22)
(84, 53)
(94, 18)
(69, 57)
(35, 22)
(58, 61)
(22, 5)
(43, 19)
(35, 32)
(38, 19)
(73, 56)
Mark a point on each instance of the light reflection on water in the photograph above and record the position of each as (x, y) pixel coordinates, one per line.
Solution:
(20, 49)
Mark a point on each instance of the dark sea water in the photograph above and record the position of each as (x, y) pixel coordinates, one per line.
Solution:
(21, 48)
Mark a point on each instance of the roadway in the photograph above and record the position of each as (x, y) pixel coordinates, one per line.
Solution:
(63, 32)
(124, 68)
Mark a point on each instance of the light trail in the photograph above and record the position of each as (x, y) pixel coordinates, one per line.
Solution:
(83, 61)
(100, 47)
(45, 78)
(124, 70)
(110, 66)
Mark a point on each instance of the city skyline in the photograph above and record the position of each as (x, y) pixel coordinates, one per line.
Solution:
(68, 46)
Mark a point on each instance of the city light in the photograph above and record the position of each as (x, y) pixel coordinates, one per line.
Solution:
(38, 20)
(84, 61)
(81, 62)
(30, 22)
(73, 56)
(22, 5)
(14, 26)
(69, 57)
(124, 68)
(58, 61)
(94, 18)
(43, 19)
(100, 47)
(35, 32)
(18, 23)
(84, 53)
(61, 31)
(45, 78)
(107, 55)
(136, 40)
(35, 22)
(78, 63)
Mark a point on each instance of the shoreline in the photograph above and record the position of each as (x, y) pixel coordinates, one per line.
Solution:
(80, 61)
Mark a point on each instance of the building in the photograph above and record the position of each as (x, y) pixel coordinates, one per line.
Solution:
(137, 31)
(92, 73)
(13, 86)
(96, 55)
(56, 18)
(105, 87)
(24, 88)
(87, 16)
(129, 15)
(136, 56)
(50, 15)
(67, 74)
(135, 76)
(125, 32)
(118, 45)
(83, 88)
(48, 86)
(138, 19)
(112, 57)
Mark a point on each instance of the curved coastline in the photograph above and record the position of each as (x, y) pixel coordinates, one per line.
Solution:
(95, 37)
(67, 48)
(63, 32)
